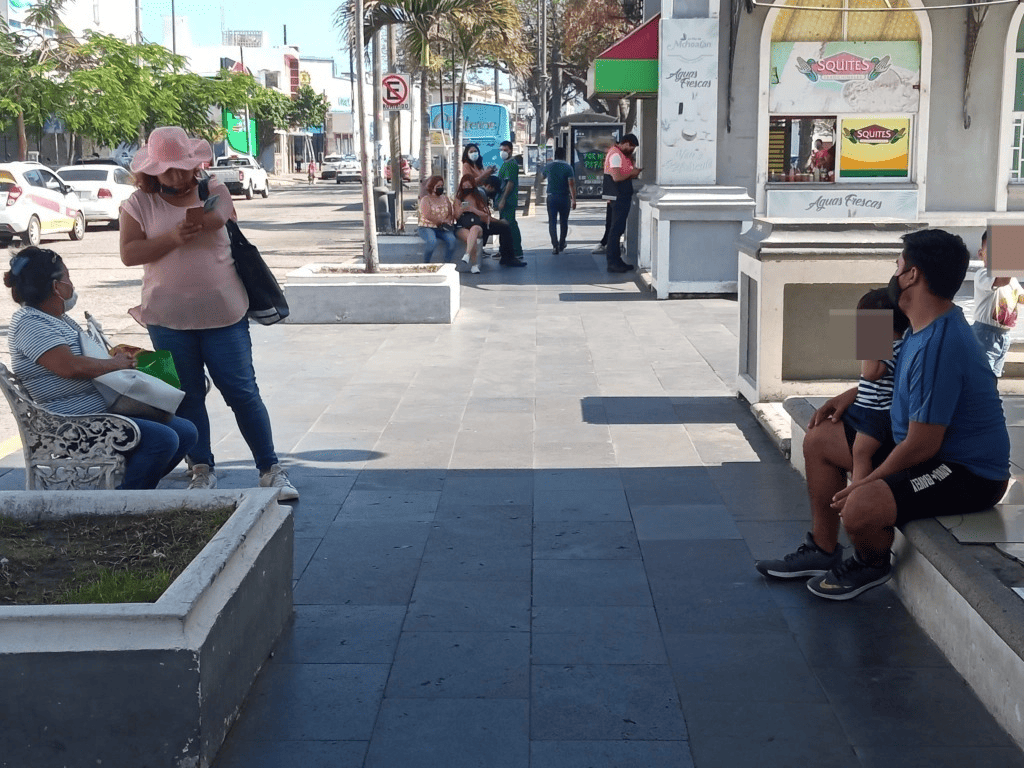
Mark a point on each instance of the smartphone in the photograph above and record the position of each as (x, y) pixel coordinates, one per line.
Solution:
(210, 202)
(194, 215)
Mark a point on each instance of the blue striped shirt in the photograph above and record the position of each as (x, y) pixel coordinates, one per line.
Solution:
(877, 395)
(33, 333)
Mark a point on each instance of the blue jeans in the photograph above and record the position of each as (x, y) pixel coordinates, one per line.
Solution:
(160, 450)
(995, 343)
(227, 355)
(430, 237)
(558, 214)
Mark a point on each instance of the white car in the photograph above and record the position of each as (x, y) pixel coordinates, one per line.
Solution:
(100, 188)
(340, 167)
(34, 202)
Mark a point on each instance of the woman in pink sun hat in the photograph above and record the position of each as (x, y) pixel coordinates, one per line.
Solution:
(193, 302)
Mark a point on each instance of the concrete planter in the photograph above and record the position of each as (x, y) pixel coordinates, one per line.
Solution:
(331, 293)
(146, 683)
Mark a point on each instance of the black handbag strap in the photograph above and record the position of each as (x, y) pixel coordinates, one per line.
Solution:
(204, 188)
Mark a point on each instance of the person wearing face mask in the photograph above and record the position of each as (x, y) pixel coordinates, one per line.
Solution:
(949, 452)
(473, 165)
(47, 357)
(193, 302)
(508, 198)
(437, 219)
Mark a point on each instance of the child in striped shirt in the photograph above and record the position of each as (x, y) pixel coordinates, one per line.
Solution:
(869, 414)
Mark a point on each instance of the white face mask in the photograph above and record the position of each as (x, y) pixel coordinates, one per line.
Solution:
(70, 301)
(505, 155)
(474, 156)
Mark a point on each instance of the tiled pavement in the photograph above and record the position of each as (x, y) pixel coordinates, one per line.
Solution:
(527, 539)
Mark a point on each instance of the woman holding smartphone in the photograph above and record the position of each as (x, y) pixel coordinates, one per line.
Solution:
(193, 302)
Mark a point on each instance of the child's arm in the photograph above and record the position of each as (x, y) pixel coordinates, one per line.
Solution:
(872, 370)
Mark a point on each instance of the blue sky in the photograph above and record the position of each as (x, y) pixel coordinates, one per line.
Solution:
(309, 22)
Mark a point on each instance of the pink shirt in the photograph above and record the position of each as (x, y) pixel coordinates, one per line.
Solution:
(192, 287)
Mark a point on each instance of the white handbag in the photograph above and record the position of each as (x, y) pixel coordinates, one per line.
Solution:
(132, 393)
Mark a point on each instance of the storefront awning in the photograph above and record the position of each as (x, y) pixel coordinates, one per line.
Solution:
(629, 67)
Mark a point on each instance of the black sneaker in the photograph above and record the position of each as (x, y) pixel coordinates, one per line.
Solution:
(623, 267)
(808, 560)
(512, 263)
(850, 578)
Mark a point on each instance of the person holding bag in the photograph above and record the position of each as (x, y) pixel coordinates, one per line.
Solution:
(48, 358)
(437, 219)
(995, 310)
(193, 302)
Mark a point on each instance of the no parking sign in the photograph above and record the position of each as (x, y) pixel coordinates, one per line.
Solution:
(395, 91)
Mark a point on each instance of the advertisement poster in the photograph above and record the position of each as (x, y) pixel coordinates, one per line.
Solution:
(844, 77)
(874, 147)
(589, 145)
(838, 203)
(688, 101)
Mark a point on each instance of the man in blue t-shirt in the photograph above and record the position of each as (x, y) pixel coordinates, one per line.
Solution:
(950, 452)
(561, 198)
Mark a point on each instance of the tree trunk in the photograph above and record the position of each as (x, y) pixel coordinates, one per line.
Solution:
(425, 159)
(370, 254)
(378, 111)
(22, 138)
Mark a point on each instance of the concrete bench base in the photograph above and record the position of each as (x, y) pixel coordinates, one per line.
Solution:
(329, 293)
(146, 683)
(968, 612)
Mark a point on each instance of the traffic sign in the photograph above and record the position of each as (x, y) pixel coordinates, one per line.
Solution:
(395, 91)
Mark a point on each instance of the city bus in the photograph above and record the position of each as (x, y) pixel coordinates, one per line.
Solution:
(486, 125)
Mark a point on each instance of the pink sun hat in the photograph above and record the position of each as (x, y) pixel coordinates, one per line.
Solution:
(170, 147)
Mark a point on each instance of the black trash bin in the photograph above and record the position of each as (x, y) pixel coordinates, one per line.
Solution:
(384, 201)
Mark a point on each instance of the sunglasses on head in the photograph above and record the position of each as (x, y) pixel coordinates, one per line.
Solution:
(21, 260)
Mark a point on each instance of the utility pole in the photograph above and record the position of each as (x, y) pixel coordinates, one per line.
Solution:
(370, 254)
(248, 145)
(378, 109)
(395, 126)
(174, 30)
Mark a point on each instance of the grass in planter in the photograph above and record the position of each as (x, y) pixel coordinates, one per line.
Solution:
(101, 559)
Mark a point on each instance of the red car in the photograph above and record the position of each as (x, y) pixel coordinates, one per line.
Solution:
(406, 171)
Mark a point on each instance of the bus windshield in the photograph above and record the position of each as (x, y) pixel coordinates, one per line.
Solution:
(486, 125)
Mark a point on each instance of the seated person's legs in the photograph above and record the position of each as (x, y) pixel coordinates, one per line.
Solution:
(161, 448)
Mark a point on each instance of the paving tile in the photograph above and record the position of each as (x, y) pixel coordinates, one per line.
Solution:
(465, 606)
(597, 635)
(546, 480)
(607, 504)
(341, 634)
(343, 577)
(387, 538)
(586, 540)
(610, 754)
(925, 756)
(655, 486)
(303, 549)
(727, 667)
(590, 583)
(913, 706)
(495, 547)
(487, 487)
(461, 665)
(400, 479)
(389, 505)
(313, 702)
(604, 702)
(285, 754)
(684, 521)
(862, 636)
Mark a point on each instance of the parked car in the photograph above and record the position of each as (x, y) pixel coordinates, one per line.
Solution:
(242, 175)
(348, 168)
(34, 202)
(406, 170)
(100, 188)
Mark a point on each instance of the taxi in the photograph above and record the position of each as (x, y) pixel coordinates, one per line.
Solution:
(35, 203)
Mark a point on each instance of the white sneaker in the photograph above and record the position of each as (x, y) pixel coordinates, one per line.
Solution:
(203, 478)
(600, 249)
(276, 477)
(475, 269)
(465, 258)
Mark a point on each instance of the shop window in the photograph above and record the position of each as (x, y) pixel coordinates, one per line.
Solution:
(801, 149)
(1017, 145)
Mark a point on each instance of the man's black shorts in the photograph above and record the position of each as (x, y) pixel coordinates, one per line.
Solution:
(935, 487)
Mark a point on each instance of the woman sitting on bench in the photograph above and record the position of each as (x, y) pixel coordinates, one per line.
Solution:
(46, 356)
